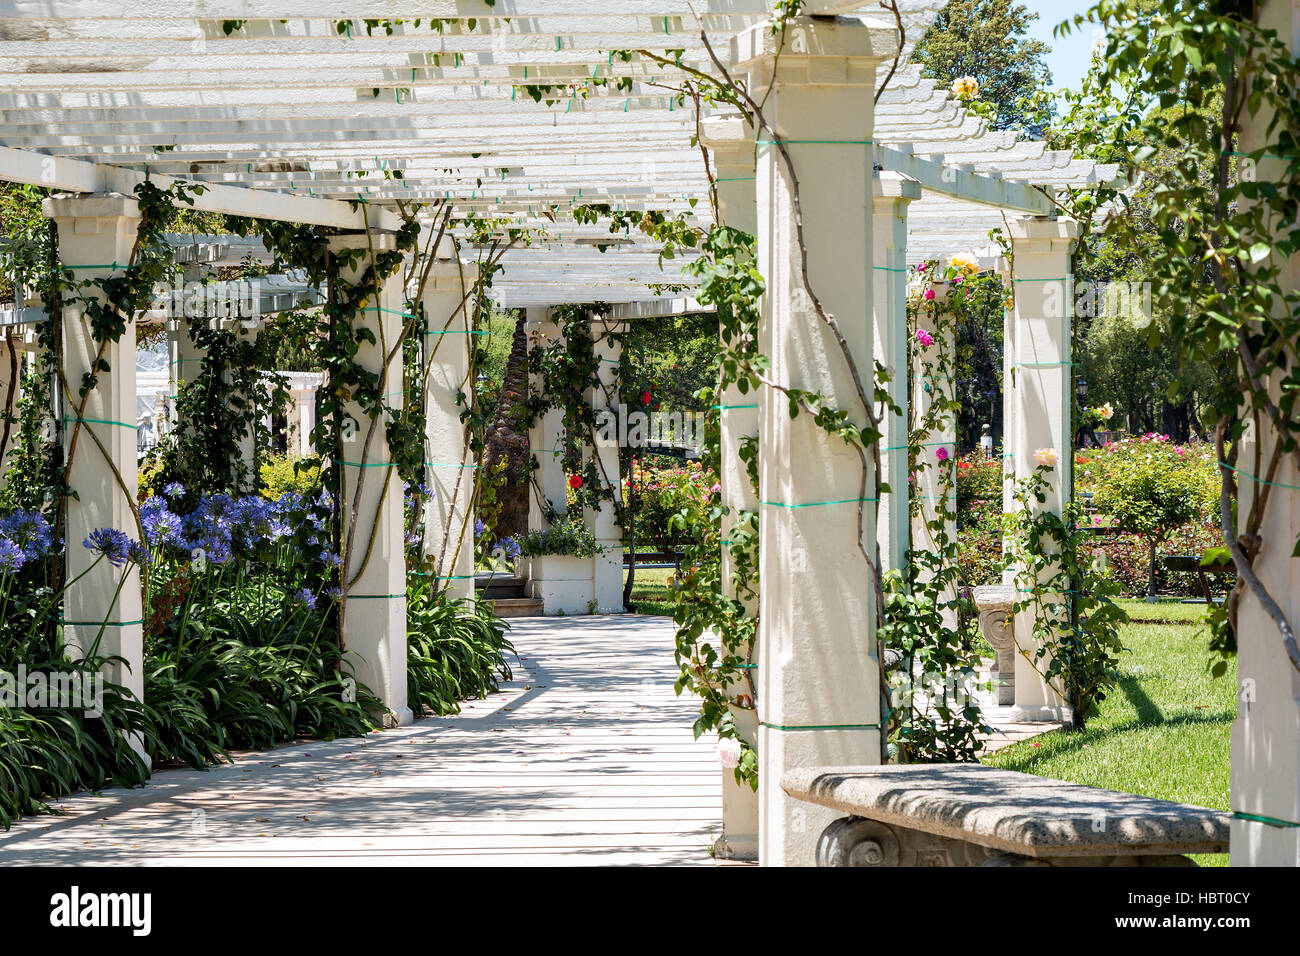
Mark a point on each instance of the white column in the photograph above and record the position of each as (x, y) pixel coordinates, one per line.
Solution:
(1043, 292)
(607, 566)
(96, 236)
(732, 141)
(892, 194)
(819, 686)
(447, 299)
(374, 618)
(564, 584)
(1265, 781)
(936, 485)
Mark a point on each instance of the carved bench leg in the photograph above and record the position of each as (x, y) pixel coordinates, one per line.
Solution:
(855, 841)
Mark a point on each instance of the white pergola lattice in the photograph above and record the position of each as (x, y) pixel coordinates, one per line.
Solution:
(291, 117)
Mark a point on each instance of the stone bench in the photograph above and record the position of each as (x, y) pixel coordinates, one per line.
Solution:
(994, 604)
(973, 815)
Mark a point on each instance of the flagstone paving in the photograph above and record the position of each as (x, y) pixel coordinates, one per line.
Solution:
(586, 757)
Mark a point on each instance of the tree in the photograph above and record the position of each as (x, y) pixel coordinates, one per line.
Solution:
(987, 39)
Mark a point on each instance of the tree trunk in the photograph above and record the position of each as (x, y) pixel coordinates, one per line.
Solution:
(505, 441)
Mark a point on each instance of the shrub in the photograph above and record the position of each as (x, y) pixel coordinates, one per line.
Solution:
(568, 537)
(1151, 487)
(456, 650)
(280, 475)
(658, 494)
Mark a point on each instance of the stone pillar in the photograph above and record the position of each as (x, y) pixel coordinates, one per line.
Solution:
(562, 583)
(1043, 395)
(892, 193)
(732, 141)
(819, 687)
(932, 382)
(607, 566)
(96, 236)
(374, 618)
(1265, 783)
(447, 300)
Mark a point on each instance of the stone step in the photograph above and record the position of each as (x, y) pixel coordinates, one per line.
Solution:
(517, 606)
(499, 586)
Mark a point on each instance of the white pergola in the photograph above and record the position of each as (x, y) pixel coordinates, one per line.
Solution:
(286, 116)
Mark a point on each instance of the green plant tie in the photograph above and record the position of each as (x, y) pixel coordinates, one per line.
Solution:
(1258, 481)
(815, 504)
(727, 408)
(371, 464)
(448, 464)
(891, 268)
(99, 623)
(373, 597)
(106, 265)
(735, 179)
(459, 332)
(380, 308)
(1042, 364)
(1259, 818)
(101, 421)
(796, 727)
(1052, 279)
(815, 142)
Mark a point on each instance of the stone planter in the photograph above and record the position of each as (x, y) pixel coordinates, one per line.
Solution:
(562, 583)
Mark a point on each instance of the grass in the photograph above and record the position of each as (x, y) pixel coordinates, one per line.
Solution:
(1163, 732)
(650, 591)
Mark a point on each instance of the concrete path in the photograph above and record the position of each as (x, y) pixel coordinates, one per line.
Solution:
(586, 757)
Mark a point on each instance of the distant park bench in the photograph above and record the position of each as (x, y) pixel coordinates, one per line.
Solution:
(1191, 564)
(973, 815)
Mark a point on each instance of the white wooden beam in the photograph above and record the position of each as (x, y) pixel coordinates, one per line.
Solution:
(965, 184)
(69, 175)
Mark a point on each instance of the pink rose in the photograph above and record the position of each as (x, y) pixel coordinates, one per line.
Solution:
(924, 337)
(941, 454)
(929, 295)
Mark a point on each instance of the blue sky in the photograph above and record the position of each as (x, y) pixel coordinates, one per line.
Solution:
(1069, 58)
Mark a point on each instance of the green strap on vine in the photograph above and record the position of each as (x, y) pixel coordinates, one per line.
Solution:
(815, 142)
(1257, 480)
(1042, 364)
(816, 504)
(796, 727)
(727, 408)
(91, 265)
(373, 597)
(100, 623)
(101, 421)
(459, 332)
(1260, 818)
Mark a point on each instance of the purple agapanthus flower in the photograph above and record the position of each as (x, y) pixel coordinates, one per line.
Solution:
(11, 556)
(138, 553)
(111, 543)
(174, 490)
(161, 526)
(29, 531)
(304, 597)
(331, 559)
(334, 594)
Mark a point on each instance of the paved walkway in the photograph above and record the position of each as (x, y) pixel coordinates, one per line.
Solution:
(586, 757)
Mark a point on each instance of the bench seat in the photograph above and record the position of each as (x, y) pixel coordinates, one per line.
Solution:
(973, 815)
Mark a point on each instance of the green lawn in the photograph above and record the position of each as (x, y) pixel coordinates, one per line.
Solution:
(650, 591)
(1164, 731)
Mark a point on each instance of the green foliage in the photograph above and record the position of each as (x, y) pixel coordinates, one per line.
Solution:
(987, 39)
(279, 474)
(1070, 599)
(456, 650)
(567, 536)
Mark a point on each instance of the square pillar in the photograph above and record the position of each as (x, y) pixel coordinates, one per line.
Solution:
(607, 566)
(935, 478)
(819, 683)
(562, 583)
(446, 299)
(96, 236)
(1043, 394)
(731, 141)
(374, 616)
(1265, 777)
(891, 195)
